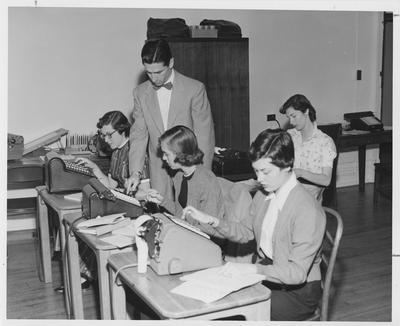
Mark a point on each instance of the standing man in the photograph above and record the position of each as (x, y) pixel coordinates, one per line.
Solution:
(166, 100)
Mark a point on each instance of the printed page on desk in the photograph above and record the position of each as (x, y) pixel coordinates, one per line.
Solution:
(107, 228)
(103, 220)
(212, 284)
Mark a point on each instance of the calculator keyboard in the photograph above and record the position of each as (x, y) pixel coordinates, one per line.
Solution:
(78, 168)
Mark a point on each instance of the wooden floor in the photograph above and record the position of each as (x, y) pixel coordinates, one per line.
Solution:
(363, 279)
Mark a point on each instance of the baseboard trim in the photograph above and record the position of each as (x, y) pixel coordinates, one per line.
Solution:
(17, 236)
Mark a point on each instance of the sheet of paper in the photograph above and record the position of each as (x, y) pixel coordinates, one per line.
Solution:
(106, 228)
(118, 240)
(128, 231)
(202, 292)
(215, 283)
(107, 219)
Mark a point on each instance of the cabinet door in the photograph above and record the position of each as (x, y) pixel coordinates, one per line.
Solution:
(223, 67)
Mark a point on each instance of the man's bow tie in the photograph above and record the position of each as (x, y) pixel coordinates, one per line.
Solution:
(270, 196)
(166, 85)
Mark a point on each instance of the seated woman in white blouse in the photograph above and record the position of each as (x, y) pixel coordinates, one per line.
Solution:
(314, 150)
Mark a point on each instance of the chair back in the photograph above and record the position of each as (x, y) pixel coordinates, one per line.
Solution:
(330, 246)
(333, 130)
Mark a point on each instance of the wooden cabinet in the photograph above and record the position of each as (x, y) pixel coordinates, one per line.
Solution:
(223, 66)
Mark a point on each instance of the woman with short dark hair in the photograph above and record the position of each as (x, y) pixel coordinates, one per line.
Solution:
(113, 128)
(314, 150)
(194, 184)
(288, 225)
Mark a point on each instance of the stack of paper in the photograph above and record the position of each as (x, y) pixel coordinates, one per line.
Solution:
(122, 237)
(118, 240)
(215, 283)
(104, 224)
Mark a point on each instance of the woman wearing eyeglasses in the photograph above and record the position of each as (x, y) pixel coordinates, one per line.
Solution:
(114, 129)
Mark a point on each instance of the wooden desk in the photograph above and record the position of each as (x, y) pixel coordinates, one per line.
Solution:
(61, 206)
(25, 173)
(361, 140)
(102, 251)
(252, 302)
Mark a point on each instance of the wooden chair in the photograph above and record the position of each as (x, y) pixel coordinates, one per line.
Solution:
(333, 130)
(330, 248)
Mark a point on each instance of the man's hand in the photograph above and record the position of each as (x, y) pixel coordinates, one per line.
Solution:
(132, 183)
(154, 196)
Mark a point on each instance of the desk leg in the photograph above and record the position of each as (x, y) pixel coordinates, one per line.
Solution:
(104, 286)
(74, 274)
(117, 297)
(42, 224)
(64, 265)
(361, 167)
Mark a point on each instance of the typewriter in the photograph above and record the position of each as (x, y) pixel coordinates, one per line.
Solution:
(65, 176)
(15, 147)
(233, 165)
(176, 246)
(98, 200)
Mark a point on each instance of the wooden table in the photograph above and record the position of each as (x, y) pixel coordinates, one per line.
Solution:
(361, 140)
(252, 302)
(102, 251)
(61, 206)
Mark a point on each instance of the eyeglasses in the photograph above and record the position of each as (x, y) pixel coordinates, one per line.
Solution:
(107, 134)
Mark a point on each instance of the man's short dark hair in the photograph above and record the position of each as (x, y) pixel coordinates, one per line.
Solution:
(300, 103)
(274, 144)
(155, 51)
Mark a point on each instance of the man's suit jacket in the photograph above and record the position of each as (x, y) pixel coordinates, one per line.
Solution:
(296, 241)
(189, 107)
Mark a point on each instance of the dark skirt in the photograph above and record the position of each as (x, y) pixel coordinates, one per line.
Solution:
(293, 302)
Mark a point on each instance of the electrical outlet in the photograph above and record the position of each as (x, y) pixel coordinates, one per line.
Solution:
(271, 117)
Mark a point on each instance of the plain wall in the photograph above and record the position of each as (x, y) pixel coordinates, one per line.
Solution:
(68, 66)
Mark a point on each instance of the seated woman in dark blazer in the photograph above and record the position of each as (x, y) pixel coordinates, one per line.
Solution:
(194, 184)
(288, 225)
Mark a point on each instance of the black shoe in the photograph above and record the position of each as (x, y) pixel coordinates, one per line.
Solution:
(84, 286)
(56, 256)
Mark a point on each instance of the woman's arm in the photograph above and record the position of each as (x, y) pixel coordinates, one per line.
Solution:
(322, 179)
(106, 180)
(239, 231)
